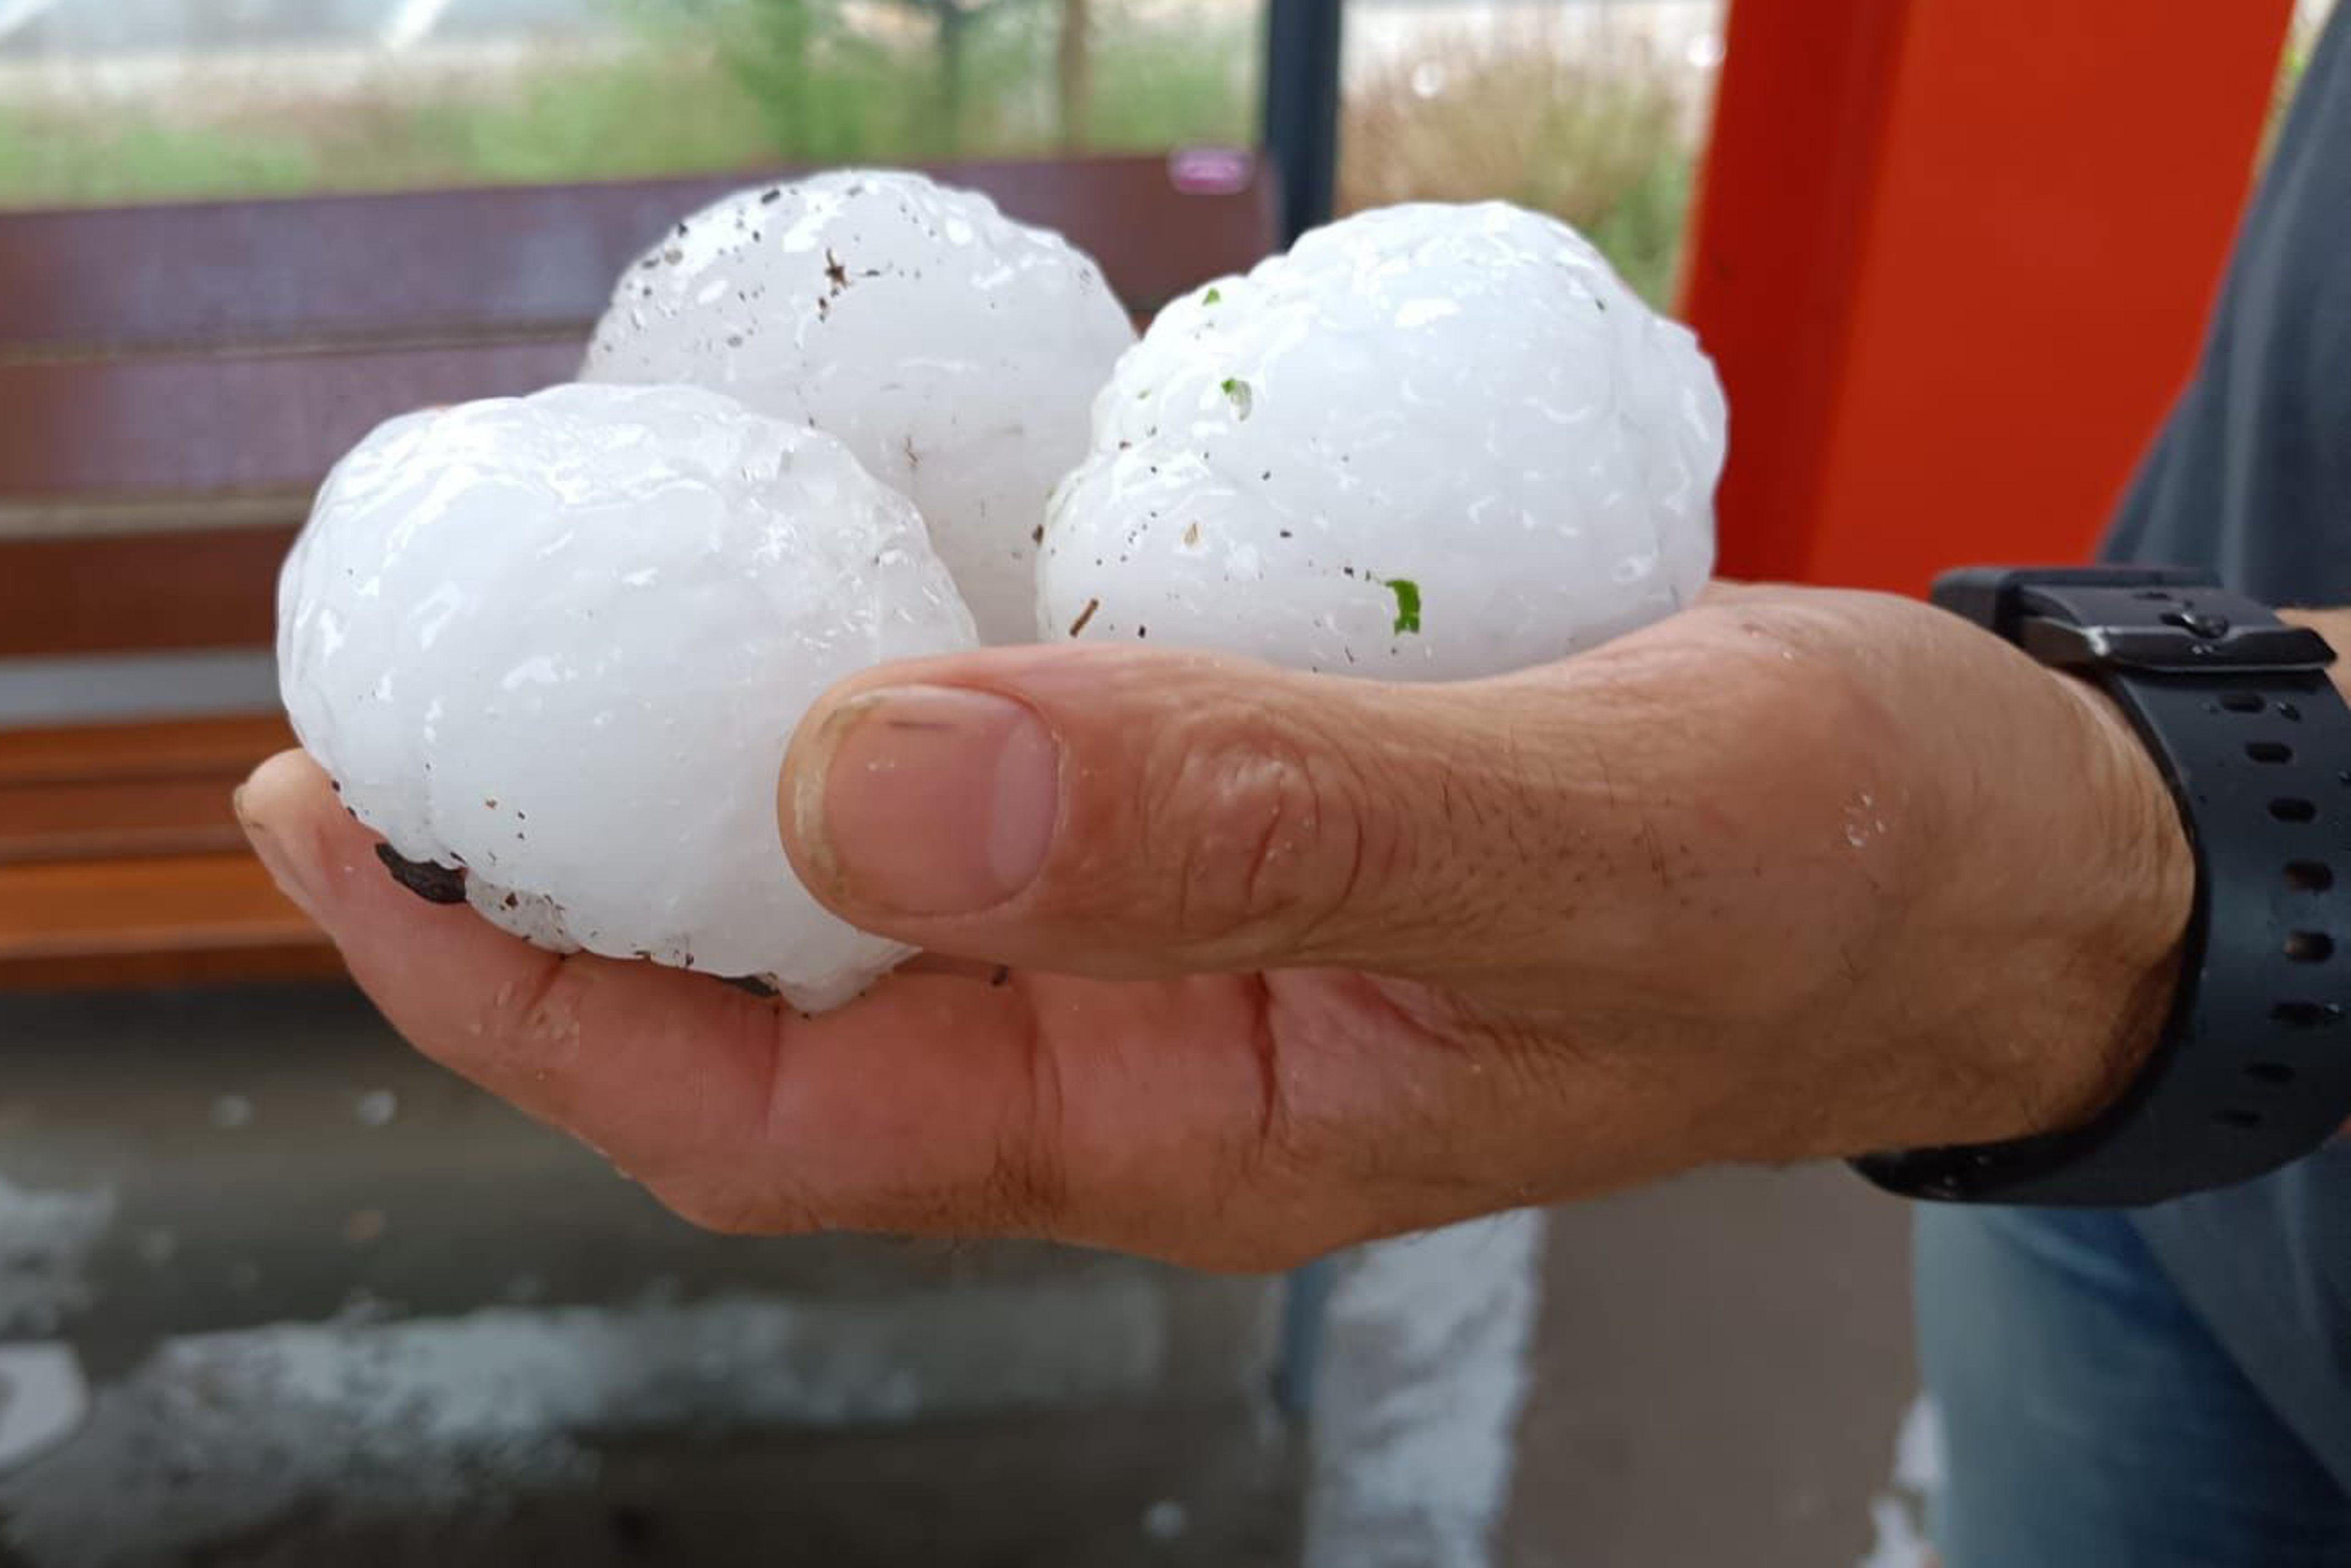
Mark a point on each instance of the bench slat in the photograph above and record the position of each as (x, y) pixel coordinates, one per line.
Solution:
(505, 260)
(183, 966)
(166, 750)
(194, 424)
(117, 908)
(116, 819)
(190, 590)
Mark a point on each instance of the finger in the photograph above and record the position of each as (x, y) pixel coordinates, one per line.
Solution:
(1120, 813)
(938, 1104)
(643, 1063)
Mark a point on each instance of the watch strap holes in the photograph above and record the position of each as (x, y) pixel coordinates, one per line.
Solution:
(2269, 1072)
(2243, 702)
(2269, 751)
(2293, 809)
(2308, 876)
(2309, 947)
(2305, 1014)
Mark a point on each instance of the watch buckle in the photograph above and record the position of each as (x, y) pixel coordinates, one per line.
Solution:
(2175, 650)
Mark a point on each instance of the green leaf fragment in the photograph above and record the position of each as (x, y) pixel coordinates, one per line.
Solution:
(1211, 297)
(1238, 392)
(1407, 601)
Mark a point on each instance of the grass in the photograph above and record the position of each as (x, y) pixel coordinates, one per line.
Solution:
(1601, 139)
(710, 86)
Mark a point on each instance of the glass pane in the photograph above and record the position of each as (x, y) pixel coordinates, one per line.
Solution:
(127, 100)
(2310, 18)
(1592, 109)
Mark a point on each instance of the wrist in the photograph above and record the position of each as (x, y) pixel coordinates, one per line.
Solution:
(2193, 1064)
(2142, 881)
(2153, 894)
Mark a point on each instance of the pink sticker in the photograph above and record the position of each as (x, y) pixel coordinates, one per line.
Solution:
(1210, 171)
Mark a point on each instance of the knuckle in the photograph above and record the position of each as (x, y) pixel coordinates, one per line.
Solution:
(1270, 832)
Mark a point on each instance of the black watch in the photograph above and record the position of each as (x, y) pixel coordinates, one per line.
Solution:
(2252, 1069)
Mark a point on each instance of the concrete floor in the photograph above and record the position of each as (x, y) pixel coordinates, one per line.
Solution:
(1719, 1372)
(325, 1303)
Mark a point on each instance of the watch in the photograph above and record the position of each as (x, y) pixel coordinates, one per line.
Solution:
(2252, 1068)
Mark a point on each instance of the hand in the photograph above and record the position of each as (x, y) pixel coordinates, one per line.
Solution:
(1298, 961)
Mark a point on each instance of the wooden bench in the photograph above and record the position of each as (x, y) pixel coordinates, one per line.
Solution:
(174, 383)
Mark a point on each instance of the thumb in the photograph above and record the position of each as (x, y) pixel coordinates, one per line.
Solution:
(1127, 814)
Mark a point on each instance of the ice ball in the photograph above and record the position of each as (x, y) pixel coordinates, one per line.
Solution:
(1430, 443)
(557, 644)
(954, 351)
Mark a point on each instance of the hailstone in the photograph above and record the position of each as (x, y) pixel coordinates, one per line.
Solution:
(1430, 443)
(954, 351)
(557, 644)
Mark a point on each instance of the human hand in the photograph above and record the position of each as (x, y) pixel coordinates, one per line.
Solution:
(1297, 961)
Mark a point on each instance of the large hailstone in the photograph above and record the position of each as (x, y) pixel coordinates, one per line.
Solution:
(954, 351)
(1430, 443)
(560, 642)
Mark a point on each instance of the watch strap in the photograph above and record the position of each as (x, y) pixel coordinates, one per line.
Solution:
(2252, 1068)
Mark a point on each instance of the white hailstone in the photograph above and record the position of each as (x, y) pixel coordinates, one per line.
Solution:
(954, 351)
(1430, 443)
(560, 642)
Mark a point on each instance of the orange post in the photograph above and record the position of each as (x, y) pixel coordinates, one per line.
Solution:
(1953, 257)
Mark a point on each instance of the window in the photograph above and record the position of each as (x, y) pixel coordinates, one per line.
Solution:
(106, 101)
(1594, 113)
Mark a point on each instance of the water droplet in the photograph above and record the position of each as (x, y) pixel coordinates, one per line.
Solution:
(232, 1112)
(1166, 1520)
(377, 1107)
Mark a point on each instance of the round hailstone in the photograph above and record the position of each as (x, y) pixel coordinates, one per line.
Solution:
(560, 644)
(1430, 443)
(954, 351)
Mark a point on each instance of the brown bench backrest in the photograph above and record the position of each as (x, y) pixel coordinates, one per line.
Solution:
(175, 380)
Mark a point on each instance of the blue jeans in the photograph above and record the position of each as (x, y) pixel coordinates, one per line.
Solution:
(2090, 1419)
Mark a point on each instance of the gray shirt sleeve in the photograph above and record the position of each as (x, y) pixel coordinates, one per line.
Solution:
(2252, 474)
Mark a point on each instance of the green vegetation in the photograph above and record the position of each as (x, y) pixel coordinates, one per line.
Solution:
(707, 85)
(731, 84)
(1608, 143)
(1407, 604)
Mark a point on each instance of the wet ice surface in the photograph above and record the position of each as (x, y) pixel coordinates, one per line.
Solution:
(562, 643)
(955, 352)
(1431, 443)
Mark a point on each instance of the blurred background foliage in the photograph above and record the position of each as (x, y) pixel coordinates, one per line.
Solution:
(1594, 121)
(1594, 109)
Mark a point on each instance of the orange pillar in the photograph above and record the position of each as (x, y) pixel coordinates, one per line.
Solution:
(1953, 258)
